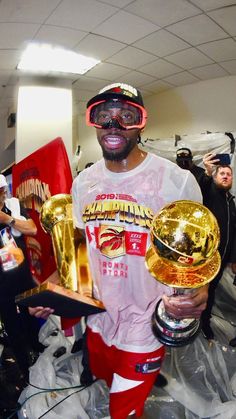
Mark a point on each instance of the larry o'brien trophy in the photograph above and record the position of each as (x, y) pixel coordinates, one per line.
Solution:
(183, 255)
(73, 296)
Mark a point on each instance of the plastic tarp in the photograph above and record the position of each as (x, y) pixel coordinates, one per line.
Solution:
(201, 376)
(199, 144)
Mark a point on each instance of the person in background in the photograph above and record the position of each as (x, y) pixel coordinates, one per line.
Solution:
(215, 186)
(15, 277)
(184, 159)
(114, 202)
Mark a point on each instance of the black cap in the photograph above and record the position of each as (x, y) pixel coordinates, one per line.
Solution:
(184, 152)
(118, 91)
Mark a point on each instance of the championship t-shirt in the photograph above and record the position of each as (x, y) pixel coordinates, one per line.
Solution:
(116, 211)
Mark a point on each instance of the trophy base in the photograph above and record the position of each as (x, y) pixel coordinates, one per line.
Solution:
(66, 303)
(173, 332)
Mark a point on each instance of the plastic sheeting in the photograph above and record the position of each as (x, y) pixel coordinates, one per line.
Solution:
(201, 376)
(54, 390)
(199, 144)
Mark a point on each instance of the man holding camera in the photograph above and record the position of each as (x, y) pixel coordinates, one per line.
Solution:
(215, 187)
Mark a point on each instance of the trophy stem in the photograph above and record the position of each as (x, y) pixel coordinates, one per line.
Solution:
(171, 331)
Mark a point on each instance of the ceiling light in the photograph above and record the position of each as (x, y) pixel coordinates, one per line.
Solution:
(45, 58)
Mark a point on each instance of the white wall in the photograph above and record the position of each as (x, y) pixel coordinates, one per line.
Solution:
(204, 106)
(44, 112)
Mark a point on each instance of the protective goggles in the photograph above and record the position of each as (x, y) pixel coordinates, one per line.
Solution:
(128, 115)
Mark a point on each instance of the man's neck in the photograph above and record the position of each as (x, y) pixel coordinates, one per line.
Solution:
(134, 159)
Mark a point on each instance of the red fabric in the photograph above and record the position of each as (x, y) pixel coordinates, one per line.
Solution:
(44, 173)
(106, 360)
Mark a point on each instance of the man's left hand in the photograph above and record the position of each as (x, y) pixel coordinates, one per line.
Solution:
(189, 305)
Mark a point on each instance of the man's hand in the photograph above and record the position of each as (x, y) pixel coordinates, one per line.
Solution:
(188, 305)
(209, 162)
(17, 253)
(41, 312)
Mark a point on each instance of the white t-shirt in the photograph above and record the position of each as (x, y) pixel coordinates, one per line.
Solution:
(116, 211)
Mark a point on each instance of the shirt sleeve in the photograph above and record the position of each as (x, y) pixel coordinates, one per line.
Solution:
(191, 189)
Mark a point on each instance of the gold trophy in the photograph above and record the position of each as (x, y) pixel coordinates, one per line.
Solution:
(183, 255)
(73, 297)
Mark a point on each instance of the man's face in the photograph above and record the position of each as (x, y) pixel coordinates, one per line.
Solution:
(223, 178)
(3, 194)
(116, 143)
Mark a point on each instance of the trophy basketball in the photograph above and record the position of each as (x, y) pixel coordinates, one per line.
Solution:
(183, 255)
(72, 297)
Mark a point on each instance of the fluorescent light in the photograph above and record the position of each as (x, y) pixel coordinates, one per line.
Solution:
(45, 58)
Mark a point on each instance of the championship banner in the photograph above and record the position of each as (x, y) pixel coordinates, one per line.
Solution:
(44, 173)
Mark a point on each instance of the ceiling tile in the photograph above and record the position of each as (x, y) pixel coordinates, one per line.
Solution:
(4, 77)
(161, 43)
(197, 30)
(107, 71)
(14, 35)
(158, 86)
(26, 10)
(84, 95)
(80, 14)
(132, 58)
(226, 18)
(189, 58)
(56, 35)
(135, 78)
(98, 47)
(181, 79)
(211, 4)
(120, 3)
(9, 59)
(220, 50)
(86, 83)
(163, 12)
(209, 72)
(160, 69)
(10, 91)
(126, 28)
(230, 66)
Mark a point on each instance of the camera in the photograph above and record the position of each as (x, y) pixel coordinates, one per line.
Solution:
(224, 159)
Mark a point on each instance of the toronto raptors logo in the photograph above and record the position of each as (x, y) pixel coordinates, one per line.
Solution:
(112, 241)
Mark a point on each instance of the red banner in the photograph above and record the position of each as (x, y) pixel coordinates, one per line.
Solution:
(44, 173)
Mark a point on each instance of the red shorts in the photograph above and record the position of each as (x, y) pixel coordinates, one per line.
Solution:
(129, 375)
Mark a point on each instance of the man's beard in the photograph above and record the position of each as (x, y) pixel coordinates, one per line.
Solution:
(224, 188)
(118, 156)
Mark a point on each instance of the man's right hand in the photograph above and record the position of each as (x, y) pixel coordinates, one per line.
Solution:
(41, 312)
(209, 162)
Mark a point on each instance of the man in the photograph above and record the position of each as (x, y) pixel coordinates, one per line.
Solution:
(184, 159)
(15, 277)
(215, 186)
(114, 202)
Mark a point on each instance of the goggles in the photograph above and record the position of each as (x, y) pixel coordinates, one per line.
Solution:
(128, 115)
